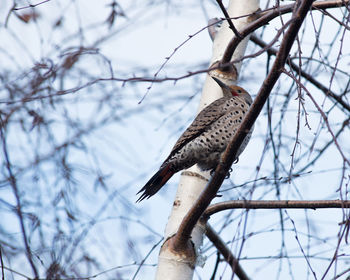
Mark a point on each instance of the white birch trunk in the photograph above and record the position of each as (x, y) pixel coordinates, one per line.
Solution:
(192, 181)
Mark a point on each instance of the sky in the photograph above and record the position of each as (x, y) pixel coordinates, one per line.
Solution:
(119, 134)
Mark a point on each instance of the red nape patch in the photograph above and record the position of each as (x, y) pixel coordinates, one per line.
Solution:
(234, 93)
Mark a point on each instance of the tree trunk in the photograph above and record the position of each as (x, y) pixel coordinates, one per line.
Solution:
(172, 265)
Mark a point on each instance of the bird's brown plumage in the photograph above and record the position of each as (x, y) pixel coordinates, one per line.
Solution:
(206, 138)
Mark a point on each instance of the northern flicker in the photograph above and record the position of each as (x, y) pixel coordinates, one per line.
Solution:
(206, 138)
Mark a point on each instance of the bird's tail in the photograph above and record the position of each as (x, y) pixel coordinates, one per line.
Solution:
(156, 182)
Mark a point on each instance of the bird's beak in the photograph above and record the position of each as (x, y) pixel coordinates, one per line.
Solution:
(221, 84)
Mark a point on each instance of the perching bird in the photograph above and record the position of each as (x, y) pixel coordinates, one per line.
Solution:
(206, 138)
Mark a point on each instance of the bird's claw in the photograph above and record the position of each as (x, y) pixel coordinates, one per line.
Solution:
(229, 173)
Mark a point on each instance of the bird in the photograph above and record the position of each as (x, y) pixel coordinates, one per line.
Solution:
(207, 137)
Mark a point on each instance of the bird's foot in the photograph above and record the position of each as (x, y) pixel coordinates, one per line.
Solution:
(229, 173)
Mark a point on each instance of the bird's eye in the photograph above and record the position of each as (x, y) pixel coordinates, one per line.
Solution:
(239, 91)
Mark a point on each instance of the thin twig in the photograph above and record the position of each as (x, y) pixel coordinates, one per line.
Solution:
(325, 119)
(216, 266)
(154, 79)
(307, 76)
(2, 265)
(329, 144)
(31, 5)
(227, 17)
(267, 16)
(13, 183)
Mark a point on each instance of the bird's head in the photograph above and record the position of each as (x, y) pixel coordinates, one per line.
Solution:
(233, 90)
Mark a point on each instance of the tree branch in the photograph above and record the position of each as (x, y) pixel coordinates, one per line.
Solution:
(267, 16)
(13, 183)
(275, 204)
(227, 17)
(325, 118)
(307, 76)
(226, 253)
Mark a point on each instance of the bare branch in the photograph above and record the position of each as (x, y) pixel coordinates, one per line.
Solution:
(2, 265)
(310, 78)
(225, 251)
(19, 211)
(227, 17)
(275, 204)
(325, 119)
(267, 16)
(31, 5)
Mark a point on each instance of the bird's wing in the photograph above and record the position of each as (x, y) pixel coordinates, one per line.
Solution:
(200, 124)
